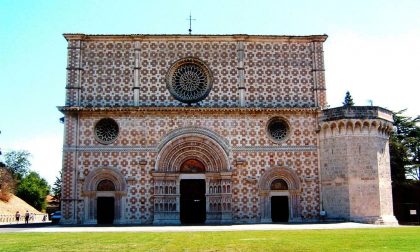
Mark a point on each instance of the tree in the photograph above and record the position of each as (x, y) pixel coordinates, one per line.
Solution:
(17, 162)
(33, 189)
(56, 190)
(348, 100)
(7, 184)
(405, 147)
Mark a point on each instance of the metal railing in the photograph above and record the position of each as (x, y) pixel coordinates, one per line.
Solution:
(33, 218)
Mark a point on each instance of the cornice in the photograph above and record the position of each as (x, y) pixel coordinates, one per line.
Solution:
(357, 113)
(195, 38)
(73, 148)
(184, 110)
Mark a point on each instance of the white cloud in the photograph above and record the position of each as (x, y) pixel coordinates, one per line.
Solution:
(383, 69)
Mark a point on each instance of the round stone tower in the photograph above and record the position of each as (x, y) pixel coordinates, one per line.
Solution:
(355, 164)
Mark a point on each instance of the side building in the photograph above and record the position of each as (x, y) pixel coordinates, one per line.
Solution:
(179, 129)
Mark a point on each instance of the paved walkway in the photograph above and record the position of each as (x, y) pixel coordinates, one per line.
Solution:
(45, 228)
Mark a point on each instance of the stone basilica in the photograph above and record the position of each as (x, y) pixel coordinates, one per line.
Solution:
(211, 129)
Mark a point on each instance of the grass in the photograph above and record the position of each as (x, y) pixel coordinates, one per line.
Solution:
(382, 239)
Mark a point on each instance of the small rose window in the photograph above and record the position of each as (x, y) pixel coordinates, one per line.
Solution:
(278, 129)
(106, 130)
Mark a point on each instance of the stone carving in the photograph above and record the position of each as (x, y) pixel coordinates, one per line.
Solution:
(106, 130)
(189, 80)
(278, 129)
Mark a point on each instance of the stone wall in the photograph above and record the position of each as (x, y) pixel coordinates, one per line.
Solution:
(354, 154)
(251, 71)
(136, 150)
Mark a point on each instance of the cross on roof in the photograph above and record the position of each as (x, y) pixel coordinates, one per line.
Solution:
(190, 19)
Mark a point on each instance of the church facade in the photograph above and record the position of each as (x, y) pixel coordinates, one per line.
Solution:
(213, 129)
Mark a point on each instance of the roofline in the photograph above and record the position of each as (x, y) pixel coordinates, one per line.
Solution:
(198, 37)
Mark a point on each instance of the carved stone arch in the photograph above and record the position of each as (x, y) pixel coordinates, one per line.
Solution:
(358, 126)
(99, 174)
(192, 143)
(374, 126)
(349, 126)
(294, 188)
(389, 129)
(324, 129)
(333, 127)
(341, 126)
(378, 128)
(366, 126)
(386, 128)
(284, 173)
(325, 126)
(91, 194)
(194, 130)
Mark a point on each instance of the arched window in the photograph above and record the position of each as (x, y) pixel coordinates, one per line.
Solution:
(192, 166)
(106, 185)
(279, 184)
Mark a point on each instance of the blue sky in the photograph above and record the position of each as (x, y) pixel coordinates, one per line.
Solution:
(372, 50)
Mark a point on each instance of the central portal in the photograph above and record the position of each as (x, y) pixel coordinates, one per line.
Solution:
(193, 201)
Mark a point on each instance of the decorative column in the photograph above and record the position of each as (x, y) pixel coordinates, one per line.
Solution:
(166, 199)
(74, 69)
(90, 207)
(226, 198)
(71, 203)
(136, 87)
(265, 207)
(213, 199)
(318, 74)
(294, 207)
(241, 73)
(219, 198)
(119, 208)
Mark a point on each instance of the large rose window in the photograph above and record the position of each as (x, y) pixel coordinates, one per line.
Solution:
(189, 80)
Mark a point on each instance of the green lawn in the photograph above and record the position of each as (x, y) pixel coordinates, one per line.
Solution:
(383, 239)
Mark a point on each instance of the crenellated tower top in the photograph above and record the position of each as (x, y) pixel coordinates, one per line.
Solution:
(356, 120)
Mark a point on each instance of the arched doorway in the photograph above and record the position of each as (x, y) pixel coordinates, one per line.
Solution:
(192, 163)
(105, 205)
(279, 195)
(104, 193)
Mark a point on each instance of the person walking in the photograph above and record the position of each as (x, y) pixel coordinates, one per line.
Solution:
(17, 216)
(27, 217)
